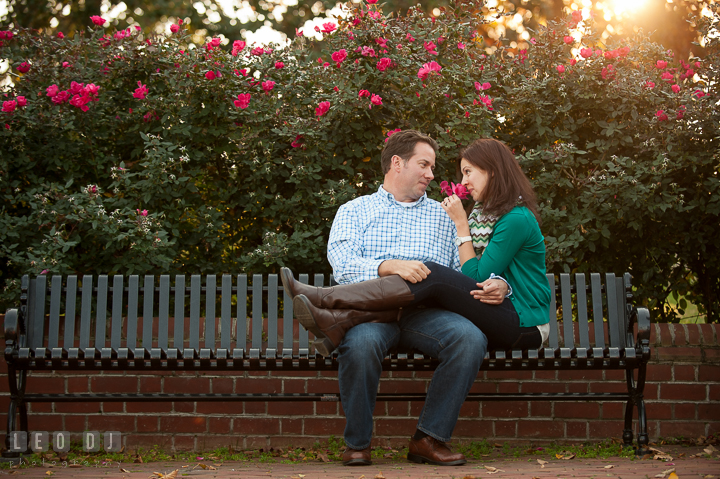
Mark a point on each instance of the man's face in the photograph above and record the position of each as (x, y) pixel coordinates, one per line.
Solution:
(415, 174)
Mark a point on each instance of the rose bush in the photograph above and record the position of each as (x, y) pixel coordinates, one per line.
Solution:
(142, 154)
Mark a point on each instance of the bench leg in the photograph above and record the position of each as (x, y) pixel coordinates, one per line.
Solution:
(17, 405)
(635, 390)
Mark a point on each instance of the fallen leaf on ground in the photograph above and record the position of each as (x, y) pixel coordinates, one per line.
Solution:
(709, 476)
(673, 476)
(362, 477)
(49, 473)
(379, 475)
(565, 456)
(609, 466)
(493, 470)
(75, 466)
(323, 457)
(124, 470)
(498, 445)
(469, 477)
(665, 473)
(661, 456)
(542, 463)
(710, 450)
(171, 475)
(388, 454)
(138, 460)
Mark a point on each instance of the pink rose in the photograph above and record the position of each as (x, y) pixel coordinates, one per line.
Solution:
(661, 116)
(568, 39)
(9, 106)
(61, 97)
(382, 42)
(98, 20)
(383, 64)
(372, 2)
(675, 88)
(75, 88)
(279, 65)
(174, 28)
(409, 38)
(66, 65)
(268, 86)
(329, 27)
(608, 72)
(430, 47)
(560, 68)
(391, 132)
(667, 76)
(375, 100)
(140, 92)
(21, 101)
(210, 75)
(61, 35)
(363, 93)
(142, 213)
(257, 51)
(243, 101)
(586, 52)
(573, 62)
(322, 108)
(649, 85)
(427, 69)
(461, 46)
(297, 142)
(681, 112)
(453, 189)
(368, 52)
(52, 90)
(699, 93)
(24, 67)
(485, 100)
(483, 86)
(91, 89)
(238, 46)
(339, 56)
(661, 64)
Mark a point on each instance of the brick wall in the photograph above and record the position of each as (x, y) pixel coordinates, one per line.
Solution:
(683, 399)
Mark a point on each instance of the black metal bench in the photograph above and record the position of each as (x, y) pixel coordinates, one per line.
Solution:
(100, 323)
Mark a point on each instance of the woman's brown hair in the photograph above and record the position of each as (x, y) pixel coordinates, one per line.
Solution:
(507, 185)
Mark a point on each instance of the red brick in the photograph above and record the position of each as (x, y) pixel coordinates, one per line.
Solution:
(184, 443)
(380, 409)
(291, 426)
(211, 443)
(45, 385)
(605, 429)
(540, 429)
(142, 441)
(77, 385)
(509, 375)
(75, 423)
(256, 443)
(294, 442)
(682, 428)
(183, 424)
(326, 408)
(112, 407)
(258, 373)
(608, 388)
(577, 387)
(665, 337)
(150, 385)
(111, 384)
(612, 410)
(323, 426)
(585, 410)
(111, 423)
(656, 410)
(659, 372)
(614, 375)
(708, 373)
(679, 333)
(42, 407)
(255, 407)
(297, 374)
(393, 427)
(694, 337)
(545, 374)
(581, 375)
(294, 386)
(403, 387)
(290, 408)
(709, 412)
(184, 406)
(686, 353)
(473, 428)
(651, 392)
(325, 386)
(511, 388)
(148, 407)
(219, 425)
(398, 408)
(684, 372)
(714, 393)
(543, 388)
(75, 407)
(470, 409)
(541, 409)
(401, 374)
(653, 335)
(222, 385)
(516, 409)
(576, 429)
(253, 426)
(712, 355)
(708, 338)
(685, 411)
(683, 392)
(188, 385)
(147, 424)
(484, 387)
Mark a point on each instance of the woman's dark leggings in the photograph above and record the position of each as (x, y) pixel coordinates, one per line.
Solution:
(450, 290)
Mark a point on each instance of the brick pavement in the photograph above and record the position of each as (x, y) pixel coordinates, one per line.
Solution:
(523, 467)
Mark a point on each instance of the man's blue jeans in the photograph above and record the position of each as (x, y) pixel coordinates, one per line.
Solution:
(456, 342)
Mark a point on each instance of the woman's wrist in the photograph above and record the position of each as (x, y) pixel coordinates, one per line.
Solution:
(463, 228)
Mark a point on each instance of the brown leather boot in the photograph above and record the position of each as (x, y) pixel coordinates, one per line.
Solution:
(330, 325)
(432, 451)
(388, 292)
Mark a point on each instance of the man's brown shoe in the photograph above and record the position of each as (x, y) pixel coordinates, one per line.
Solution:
(353, 457)
(432, 451)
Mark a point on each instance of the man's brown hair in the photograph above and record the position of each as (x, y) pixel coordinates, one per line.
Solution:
(403, 144)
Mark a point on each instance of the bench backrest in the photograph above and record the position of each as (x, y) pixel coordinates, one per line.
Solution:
(210, 312)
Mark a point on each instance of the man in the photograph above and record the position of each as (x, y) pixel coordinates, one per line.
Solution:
(393, 232)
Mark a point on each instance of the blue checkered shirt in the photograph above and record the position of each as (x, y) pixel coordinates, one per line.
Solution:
(374, 228)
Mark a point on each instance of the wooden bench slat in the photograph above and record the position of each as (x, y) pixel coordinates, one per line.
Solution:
(226, 312)
(288, 326)
(179, 320)
(148, 314)
(621, 311)
(117, 313)
(303, 342)
(257, 314)
(272, 315)
(132, 315)
(54, 326)
(210, 297)
(70, 299)
(553, 336)
(582, 313)
(614, 327)
(567, 316)
(241, 327)
(38, 314)
(164, 312)
(195, 293)
(597, 301)
(85, 311)
(101, 311)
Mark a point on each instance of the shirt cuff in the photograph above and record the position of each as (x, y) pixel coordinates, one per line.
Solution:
(494, 276)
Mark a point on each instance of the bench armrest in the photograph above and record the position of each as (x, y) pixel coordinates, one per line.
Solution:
(641, 316)
(11, 325)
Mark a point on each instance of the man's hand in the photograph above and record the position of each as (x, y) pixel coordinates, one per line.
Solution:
(413, 271)
(493, 291)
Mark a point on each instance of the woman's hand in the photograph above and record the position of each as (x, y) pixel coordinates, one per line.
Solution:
(493, 291)
(454, 208)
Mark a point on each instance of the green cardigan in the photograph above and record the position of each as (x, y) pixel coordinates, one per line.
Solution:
(516, 252)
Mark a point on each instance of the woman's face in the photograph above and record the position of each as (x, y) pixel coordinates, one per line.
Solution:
(474, 179)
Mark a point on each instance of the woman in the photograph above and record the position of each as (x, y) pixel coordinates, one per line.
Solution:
(501, 237)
